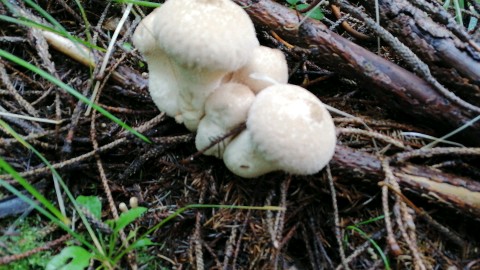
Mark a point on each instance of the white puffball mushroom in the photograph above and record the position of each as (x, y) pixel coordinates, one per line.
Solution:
(225, 109)
(196, 43)
(123, 207)
(288, 129)
(265, 65)
(133, 202)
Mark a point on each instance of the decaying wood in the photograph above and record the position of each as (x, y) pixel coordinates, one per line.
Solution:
(460, 193)
(395, 86)
(455, 63)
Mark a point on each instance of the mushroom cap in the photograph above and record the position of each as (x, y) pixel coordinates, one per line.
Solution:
(291, 127)
(225, 109)
(266, 62)
(204, 34)
(288, 129)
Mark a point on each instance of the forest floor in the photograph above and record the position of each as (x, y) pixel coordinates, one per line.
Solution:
(388, 200)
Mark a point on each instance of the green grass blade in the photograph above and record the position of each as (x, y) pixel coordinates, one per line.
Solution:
(139, 3)
(29, 23)
(46, 15)
(31, 189)
(369, 221)
(99, 248)
(85, 20)
(70, 90)
(13, 190)
(374, 244)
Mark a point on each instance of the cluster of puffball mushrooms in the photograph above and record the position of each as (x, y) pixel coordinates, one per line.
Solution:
(208, 71)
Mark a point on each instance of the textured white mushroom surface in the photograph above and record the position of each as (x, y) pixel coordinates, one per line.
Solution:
(190, 46)
(225, 109)
(212, 34)
(267, 66)
(288, 129)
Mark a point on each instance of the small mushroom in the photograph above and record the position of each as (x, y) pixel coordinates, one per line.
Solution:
(288, 129)
(123, 207)
(266, 67)
(225, 109)
(190, 46)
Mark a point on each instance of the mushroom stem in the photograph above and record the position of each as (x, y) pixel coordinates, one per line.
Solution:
(242, 158)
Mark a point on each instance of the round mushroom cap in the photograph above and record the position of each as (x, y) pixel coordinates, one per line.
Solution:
(225, 109)
(265, 62)
(205, 34)
(229, 104)
(291, 127)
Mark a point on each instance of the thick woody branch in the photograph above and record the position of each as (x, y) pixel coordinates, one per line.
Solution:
(450, 190)
(397, 87)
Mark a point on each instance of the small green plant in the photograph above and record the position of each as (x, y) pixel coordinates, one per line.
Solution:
(79, 257)
(316, 13)
(356, 228)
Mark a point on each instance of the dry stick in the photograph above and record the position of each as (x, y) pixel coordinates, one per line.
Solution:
(362, 248)
(107, 56)
(391, 240)
(410, 58)
(21, 101)
(31, 136)
(338, 232)
(421, 213)
(401, 218)
(146, 126)
(214, 256)
(41, 46)
(396, 86)
(100, 22)
(230, 243)
(391, 180)
(197, 235)
(48, 246)
(233, 132)
(71, 11)
(346, 25)
(373, 134)
(106, 188)
(238, 244)
(279, 223)
(426, 153)
(75, 118)
(27, 126)
(410, 241)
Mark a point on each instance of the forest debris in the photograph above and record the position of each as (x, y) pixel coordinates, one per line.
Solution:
(457, 192)
(393, 85)
(447, 55)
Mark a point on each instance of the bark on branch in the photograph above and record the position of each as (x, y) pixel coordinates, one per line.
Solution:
(455, 62)
(395, 86)
(460, 193)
